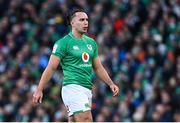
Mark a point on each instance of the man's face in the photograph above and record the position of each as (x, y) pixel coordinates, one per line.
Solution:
(80, 22)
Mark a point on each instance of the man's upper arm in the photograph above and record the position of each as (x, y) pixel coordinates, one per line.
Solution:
(58, 52)
(53, 61)
(96, 63)
(59, 48)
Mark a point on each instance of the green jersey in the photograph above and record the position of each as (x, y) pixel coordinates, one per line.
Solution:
(76, 57)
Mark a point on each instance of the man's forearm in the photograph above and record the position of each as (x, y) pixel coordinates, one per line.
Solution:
(45, 78)
(103, 75)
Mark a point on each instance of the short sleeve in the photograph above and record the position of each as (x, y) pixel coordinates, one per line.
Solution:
(95, 51)
(59, 49)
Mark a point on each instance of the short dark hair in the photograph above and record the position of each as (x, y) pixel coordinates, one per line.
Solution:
(71, 14)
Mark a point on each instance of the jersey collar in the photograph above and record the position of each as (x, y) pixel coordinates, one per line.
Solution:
(70, 33)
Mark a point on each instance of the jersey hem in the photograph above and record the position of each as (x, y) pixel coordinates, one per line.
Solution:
(90, 88)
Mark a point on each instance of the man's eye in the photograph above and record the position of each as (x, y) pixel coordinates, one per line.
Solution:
(83, 19)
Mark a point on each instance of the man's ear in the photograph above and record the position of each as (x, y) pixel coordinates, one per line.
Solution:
(72, 23)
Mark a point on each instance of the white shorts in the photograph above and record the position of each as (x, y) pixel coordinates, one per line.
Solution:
(76, 98)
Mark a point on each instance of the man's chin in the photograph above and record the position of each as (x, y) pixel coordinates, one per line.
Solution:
(84, 31)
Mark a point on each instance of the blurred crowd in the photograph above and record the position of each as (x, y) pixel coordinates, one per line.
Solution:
(139, 45)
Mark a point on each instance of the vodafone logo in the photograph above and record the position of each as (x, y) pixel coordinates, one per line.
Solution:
(85, 57)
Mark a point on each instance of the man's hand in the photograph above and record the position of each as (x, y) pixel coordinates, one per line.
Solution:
(115, 89)
(37, 96)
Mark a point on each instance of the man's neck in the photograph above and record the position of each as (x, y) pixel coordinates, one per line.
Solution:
(77, 34)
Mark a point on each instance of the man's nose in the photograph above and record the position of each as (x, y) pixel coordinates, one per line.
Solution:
(86, 22)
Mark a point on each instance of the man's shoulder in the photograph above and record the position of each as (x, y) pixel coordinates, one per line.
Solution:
(64, 39)
(89, 39)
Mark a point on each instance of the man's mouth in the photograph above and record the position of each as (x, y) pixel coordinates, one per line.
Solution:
(85, 27)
